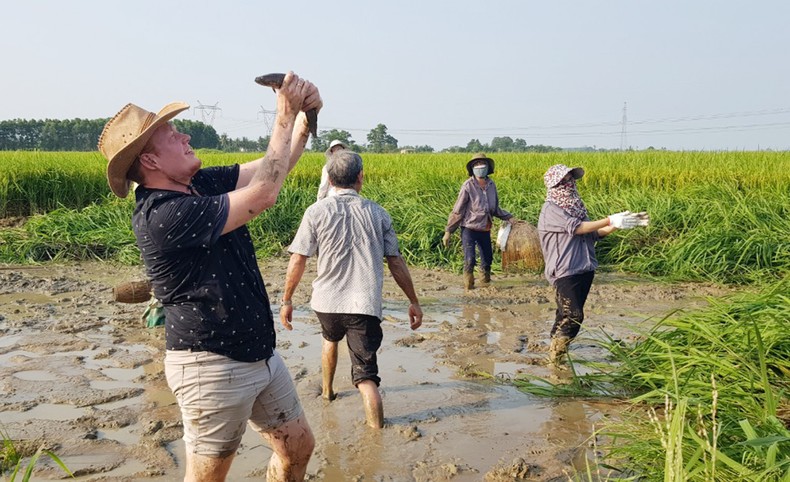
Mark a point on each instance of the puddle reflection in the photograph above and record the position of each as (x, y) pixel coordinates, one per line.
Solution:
(36, 375)
(44, 411)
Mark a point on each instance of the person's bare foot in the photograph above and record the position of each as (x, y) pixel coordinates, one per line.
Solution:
(329, 396)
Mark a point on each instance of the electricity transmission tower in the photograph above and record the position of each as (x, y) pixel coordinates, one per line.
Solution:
(268, 119)
(207, 112)
(624, 131)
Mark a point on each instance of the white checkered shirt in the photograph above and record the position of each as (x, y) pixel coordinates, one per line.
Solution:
(352, 236)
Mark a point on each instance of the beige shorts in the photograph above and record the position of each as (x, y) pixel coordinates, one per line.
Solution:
(219, 395)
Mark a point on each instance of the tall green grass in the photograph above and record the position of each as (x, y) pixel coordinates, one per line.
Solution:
(710, 390)
(38, 182)
(722, 217)
(12, 460)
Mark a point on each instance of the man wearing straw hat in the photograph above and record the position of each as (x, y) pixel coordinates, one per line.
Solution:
(567, 239)
(190, 225)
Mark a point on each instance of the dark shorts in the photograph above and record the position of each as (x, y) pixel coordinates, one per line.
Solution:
(363, 336)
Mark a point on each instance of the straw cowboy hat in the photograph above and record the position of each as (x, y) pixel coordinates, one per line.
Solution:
(480, 157)
(125, 135)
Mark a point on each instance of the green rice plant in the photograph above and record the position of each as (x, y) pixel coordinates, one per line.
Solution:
(729, 364)
(100, 231)
(37, 182)
(720, 217)
(12, 461)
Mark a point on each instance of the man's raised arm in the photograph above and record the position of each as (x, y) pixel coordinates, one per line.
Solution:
(299, 136)
(264, 186)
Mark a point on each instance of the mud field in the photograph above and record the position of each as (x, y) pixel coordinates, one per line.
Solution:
(81, 375)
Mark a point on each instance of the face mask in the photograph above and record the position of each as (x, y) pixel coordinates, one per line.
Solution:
(480, 171)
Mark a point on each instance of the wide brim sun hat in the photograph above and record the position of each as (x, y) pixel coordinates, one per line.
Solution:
(124, 137)
(477, 158)
(556, 172)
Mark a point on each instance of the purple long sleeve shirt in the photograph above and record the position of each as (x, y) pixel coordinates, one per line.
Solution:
(475, 207)
(564, 252)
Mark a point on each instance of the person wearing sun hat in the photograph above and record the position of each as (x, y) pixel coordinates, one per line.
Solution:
(567, 240)
(476, 206)
(190, 226)
(325, 189)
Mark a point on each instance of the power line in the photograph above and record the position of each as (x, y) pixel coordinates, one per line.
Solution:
(475, 132)
(623, 132)
(268, 119)
(625, 125)
(207, 112)
(784, 110)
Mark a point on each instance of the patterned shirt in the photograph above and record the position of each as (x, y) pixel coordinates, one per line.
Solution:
(475, 207)
(209, 283)
(352, 235)
(565, 253)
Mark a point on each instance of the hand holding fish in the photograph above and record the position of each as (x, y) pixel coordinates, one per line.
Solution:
(291, 83)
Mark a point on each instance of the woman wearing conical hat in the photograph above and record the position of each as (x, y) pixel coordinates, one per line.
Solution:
(474, 210)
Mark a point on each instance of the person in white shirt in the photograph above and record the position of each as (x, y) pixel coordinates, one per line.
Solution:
(325, 189)
(353, 235)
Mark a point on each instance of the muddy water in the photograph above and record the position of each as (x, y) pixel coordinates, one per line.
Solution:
(81, 375)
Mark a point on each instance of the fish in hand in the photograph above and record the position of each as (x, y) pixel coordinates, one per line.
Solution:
(275, 81)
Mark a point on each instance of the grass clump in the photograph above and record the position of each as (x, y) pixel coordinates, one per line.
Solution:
(13, 456)
(710, 393)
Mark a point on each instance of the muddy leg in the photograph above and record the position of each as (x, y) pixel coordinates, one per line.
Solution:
(201, 468)
(486, 279)
(371, 399)
(468, 243)
(571, 294)
(469, 280)
(486, 257)
(558, 348)
(328, 367)
(292, 445)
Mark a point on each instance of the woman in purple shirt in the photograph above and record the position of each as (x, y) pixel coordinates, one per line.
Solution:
(567, 239)
(474, 210)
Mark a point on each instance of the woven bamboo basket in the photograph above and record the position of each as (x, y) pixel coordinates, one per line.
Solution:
(132, 292)
(522, 250)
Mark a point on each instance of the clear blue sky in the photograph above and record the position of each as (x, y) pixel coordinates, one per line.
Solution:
(694, 74)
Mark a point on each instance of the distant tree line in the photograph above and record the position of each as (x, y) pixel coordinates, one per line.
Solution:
(502, 144)
(50, 134)
(380, 141)
(83, 135)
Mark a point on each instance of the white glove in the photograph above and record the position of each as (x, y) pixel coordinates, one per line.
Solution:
(641, 219)
(622, 220)
(629, 220)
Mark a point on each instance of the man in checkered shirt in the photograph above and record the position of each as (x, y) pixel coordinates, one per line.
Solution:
(353, 235)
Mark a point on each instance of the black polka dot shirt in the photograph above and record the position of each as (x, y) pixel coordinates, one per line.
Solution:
(209, 284)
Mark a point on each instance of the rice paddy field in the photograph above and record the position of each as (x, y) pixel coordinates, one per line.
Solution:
(707, 390)
(721, 217)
